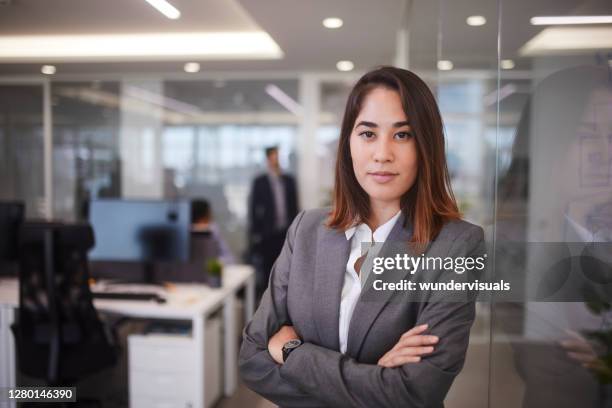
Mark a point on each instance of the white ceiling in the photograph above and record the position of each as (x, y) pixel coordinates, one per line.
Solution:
(125, 16)
(368, 36)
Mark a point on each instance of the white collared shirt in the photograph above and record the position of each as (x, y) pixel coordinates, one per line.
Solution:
(352, 281)
(278, 194)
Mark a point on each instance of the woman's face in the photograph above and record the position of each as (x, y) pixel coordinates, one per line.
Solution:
(382, 147)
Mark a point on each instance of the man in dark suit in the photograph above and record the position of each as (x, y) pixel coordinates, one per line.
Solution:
(272, 207)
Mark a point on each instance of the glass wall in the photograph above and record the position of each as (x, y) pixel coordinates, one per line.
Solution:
(333, 96)
(528, 118)
(528, 129)
(159, 138)
(554, 188)
(21, 151)
(459, 64)
(86, 159)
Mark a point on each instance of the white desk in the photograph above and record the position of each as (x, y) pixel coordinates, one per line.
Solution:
(193, 302)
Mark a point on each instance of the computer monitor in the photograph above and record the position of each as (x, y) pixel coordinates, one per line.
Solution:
(140, 230)
(11, 218)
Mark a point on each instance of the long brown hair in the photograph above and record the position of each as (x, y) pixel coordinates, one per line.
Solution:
(430, 202)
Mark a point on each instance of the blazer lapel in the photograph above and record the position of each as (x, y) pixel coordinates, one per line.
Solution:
(366, 311)
(332, 254)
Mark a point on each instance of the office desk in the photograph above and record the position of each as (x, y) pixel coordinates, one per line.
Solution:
(194, 302)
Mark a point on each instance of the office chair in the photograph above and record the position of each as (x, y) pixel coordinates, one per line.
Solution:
(58, 334)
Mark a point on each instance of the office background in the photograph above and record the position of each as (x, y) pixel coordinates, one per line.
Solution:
(121, 127)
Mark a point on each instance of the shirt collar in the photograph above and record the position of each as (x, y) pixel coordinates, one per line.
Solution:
(272, 174)
(381, 233)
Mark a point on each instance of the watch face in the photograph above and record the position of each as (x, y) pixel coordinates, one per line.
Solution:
(292, 344)
(289, 346)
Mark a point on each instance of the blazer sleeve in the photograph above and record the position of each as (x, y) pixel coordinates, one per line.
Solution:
(340, 381)
(257, 368)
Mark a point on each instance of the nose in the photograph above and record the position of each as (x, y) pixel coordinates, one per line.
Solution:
(383, 151)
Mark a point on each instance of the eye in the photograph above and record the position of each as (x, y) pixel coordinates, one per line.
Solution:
(403, 135)
(367, 135)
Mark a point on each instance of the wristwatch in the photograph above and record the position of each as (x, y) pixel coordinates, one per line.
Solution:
(289, 346)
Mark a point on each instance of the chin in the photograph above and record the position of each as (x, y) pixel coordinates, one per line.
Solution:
(380, 193)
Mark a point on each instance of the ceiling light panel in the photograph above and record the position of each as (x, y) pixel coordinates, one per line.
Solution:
(140, 47)
(563, 20)
(566, 40)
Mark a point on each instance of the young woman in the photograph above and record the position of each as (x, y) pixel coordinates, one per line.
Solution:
(315, 340)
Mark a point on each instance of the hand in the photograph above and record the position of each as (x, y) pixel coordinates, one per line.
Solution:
(580, 350)
(278, 340)
(409, 348)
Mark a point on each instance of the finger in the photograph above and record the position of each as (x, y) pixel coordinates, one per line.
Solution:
(394, 361)
(415, 341)
(582, 358)
(596, 364)
(382, 360)
(574, 334)
(415, 330)
(407, 352)
(399, 361)
(413, 351)
(418, 340)
(576, 345)
(386, 358)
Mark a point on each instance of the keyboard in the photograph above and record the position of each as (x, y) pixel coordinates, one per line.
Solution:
(144, 296)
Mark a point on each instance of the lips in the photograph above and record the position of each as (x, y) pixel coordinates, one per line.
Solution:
(382, 177)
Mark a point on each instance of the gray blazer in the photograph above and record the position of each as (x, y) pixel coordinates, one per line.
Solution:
(304, 291)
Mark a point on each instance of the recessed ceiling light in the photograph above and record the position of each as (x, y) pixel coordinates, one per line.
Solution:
(333, 22)
(445, 65)
(196, 46)
(560, 20)
(165, 8)
(192, 67)
(345, 66)
(48, 69)
(476, 20)
(506, 64)
(562, 40)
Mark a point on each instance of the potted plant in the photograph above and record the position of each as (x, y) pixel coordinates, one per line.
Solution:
(601, 366)
(214, 269)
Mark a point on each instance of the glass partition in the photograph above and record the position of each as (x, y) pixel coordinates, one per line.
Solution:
(159, 138)
(333, 96)
(86, 156)
(528, 128)
(458, 62)
(21, 151)
(553, 188)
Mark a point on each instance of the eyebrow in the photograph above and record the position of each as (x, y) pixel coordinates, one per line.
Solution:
(374, 125)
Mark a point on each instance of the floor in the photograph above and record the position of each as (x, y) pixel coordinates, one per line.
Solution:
(111, 387)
